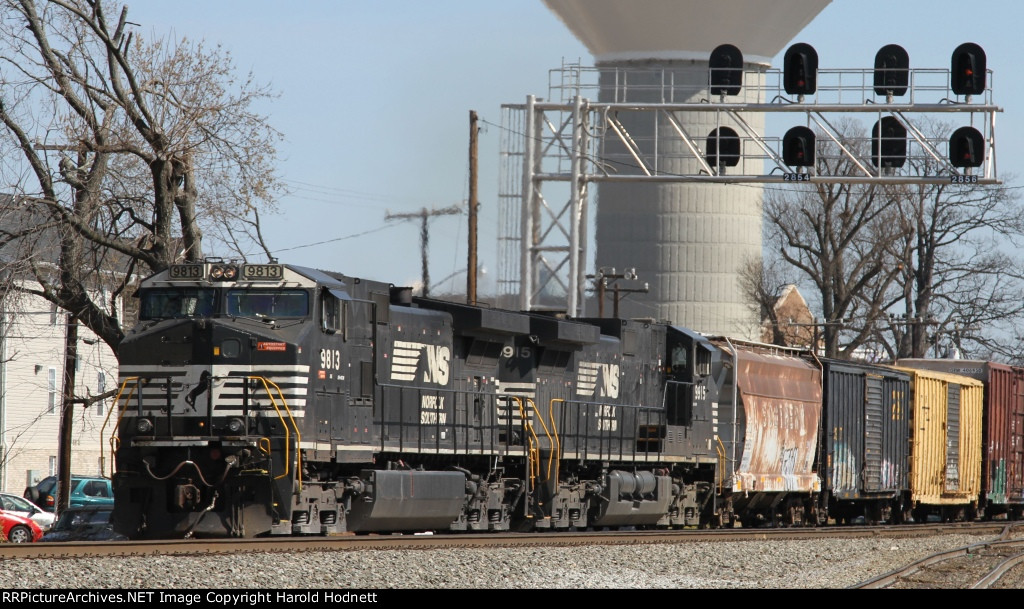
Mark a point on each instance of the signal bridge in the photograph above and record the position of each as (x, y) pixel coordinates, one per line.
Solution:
(577, 138)
(732, 122)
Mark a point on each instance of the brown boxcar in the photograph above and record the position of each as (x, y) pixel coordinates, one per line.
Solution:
(864, 459)
(945, 447)
(769, 416)
(1002, 489)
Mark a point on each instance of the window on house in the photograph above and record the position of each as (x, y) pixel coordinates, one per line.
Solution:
(53, 466)
(101, 386)
(51, 389)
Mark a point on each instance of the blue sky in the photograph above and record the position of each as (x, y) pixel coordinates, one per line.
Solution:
(375, 100)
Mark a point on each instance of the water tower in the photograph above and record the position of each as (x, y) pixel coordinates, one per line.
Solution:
(685, 240)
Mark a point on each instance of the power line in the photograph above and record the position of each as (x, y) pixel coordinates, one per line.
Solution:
(296, 247)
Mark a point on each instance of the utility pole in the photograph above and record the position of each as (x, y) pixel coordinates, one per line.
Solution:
(66, 415)
(602, 277)
(424, 215)
(471, 262)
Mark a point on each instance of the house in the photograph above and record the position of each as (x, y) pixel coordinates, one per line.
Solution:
(790, 320)
(32, 358)
(32, 361)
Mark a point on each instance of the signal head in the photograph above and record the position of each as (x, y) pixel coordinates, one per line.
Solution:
(888, 143)
(800, 69)
(892, 70)
(726, 70)
(798, 147)
(723, 147)
(966, 148)
(967, 70)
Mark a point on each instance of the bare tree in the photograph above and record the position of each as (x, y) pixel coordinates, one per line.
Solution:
(901, 268)
(120, 155)
(962, 279)
(836, 236)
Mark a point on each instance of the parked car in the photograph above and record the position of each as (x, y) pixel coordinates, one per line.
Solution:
(23, 507)
(18, 529)
(84, 523)
(85, 490)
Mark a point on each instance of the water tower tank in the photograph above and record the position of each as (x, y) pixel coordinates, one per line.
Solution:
(686, 240)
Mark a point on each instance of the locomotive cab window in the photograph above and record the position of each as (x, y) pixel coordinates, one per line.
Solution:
(679, 359)
(177, 302)
(273, 304)
(332, 311)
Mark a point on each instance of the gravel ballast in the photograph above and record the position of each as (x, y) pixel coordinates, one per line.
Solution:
(829, 563)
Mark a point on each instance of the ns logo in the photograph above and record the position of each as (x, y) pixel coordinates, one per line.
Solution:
(409, 357)
(598, 379)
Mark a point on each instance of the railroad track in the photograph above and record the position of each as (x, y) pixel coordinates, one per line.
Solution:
(426, 541)
(989, 564)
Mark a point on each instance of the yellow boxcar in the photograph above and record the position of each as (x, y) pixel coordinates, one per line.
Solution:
(945, 447)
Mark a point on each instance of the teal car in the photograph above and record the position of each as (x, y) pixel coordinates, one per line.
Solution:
(85, 491)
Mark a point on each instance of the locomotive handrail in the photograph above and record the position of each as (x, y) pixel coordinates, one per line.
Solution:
(547, 432)
(720, 449)
(298, 436)
(558, 440)
(533, 443)
(114, 442)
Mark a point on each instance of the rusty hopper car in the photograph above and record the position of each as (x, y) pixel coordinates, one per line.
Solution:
(1003, 430)
(945, 453)
(865, 443)
(768, 420)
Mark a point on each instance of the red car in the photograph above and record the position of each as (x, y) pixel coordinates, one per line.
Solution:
(18, 529)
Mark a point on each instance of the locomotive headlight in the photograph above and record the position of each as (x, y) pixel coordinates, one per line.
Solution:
(144, 426)
(235, 425)
(223, 272)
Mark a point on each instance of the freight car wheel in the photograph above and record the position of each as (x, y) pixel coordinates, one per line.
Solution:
(795, 516)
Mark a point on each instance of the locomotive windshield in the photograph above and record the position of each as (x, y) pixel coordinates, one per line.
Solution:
(268, 303)
(177, 302)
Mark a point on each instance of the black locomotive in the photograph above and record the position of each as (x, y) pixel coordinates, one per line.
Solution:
(263, 399)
